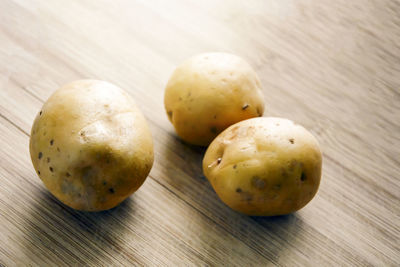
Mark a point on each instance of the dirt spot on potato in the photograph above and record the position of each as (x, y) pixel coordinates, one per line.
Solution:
(303, 176)
(213, 130)
(259, 113)
(291, 140)
(87, 174)
(245, 196)
(277, 187)
(170, 115)
(40, 155)
(248, 197)
(258, 183)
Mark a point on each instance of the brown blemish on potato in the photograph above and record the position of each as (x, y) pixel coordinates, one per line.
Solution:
(291, 140)
(215, 116)
(213, 130)
(303, 176)
(38, 172)
(51, 169)
(87, 174)
(58, 149)
(68, 174)
(284, 172)
(111, 190)
(248, 197)
(40, 113)
(257, 182)
(40, 155)
(219, 160)
(259, 112)
(277, 186)
(48, 160)
(170, 114)
(51, 142)
(245, 106)
(104, 182)
(235, 166)
(245, 196)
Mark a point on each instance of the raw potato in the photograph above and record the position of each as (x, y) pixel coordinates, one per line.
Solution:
(264, 166)
(210, 92)
(91, 145)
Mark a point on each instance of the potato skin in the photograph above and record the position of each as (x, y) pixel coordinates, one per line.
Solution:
(210, 92)
(264, 166)
(91, 146)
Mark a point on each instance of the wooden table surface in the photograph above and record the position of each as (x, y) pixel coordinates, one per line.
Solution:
(332, 66)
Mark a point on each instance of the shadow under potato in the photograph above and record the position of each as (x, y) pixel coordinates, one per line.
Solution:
(179, 157)
(62, 235)
(269, 236)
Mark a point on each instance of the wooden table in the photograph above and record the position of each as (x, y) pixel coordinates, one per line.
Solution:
(332, 66)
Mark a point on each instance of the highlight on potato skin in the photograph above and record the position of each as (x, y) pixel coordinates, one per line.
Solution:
(91, 146)
(264, 166)
(208, 93)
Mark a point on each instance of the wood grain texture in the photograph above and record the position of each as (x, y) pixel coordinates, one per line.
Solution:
(332, 66)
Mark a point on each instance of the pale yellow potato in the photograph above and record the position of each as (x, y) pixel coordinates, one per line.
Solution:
(264, 166)
(210, 92)
(91, 146)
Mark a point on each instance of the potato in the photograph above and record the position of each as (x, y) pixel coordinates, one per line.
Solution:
(91, 146)
(210, 92)
(264, 166)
